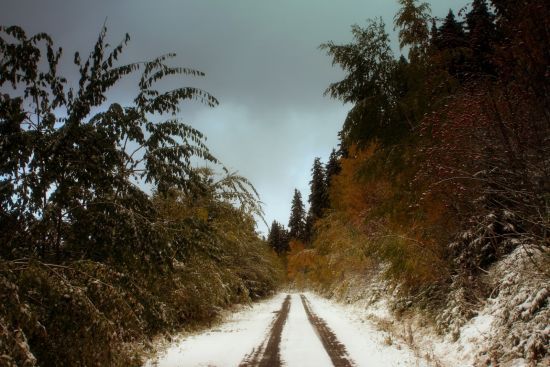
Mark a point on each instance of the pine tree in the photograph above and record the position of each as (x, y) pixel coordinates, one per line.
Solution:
(318, 195)
(332, 168)
(278, 238)
(452, 43)
(451, 33)
(434, 37)
(481, 36)
(308, 228)
(274, 235)
(296, 223)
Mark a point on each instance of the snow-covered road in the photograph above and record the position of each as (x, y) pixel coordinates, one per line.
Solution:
(288, 330)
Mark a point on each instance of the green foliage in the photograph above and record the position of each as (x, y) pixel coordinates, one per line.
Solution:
(412, 22)
(278, 238)
(297, 220)
(332, 167)
(66, 174)
(375, 85)
(66, 312)
(443, 170)
(452, 44)
(368, 61)
(318, 196)
(88, 260)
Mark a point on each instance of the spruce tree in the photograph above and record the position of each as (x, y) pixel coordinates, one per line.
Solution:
(318, 195)
(332, 168)
(452, 42)
(434, 37)
(296, 223)
(308, 228)
(278, 238)
(274, 235)
(481, 36)
(451, 33)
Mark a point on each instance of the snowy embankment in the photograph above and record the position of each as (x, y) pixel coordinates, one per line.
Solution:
(244, 335)
(511, 328)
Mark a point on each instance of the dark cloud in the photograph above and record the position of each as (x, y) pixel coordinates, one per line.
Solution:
(261, 60)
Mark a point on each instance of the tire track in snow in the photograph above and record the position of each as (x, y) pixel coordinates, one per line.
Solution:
(336, 350)
(268, 353)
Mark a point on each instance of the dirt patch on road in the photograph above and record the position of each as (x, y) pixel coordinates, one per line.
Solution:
(336, 350)
(268, 354)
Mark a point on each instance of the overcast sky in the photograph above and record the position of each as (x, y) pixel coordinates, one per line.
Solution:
(261, 60)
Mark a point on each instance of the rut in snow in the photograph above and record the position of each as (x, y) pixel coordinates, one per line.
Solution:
(268, 354)
(336, 350)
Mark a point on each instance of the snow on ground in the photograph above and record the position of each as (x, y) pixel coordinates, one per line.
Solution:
(473, 335)
(228, 344)
(300, 345)
(225, 345)
(426, 341)
(509, 329)
(366, 345)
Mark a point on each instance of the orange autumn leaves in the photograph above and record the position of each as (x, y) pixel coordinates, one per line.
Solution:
(371, 224)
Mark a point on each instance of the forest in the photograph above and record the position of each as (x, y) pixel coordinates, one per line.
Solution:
(111, 234)
(441, 171)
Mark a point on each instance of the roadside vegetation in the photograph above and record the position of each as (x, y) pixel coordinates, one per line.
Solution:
(441, 173)
(109, 235)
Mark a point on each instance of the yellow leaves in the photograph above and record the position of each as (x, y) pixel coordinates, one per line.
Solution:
(300, 259)
(356, 191)
(346, 192)
(373, 223)
(202, 214)
(337, 252)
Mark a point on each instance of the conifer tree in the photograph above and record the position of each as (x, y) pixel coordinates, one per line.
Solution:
(273, 235)
(434, 37)
(278, 238)
(332, 168)
(481, 36)
(452, 42)
(296, 223)
(308, 228)
(318, 195)
(451, 33)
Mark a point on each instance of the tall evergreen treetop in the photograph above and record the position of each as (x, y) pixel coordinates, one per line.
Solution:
(451, 33)
(434, 36)
(369, 65)
(318, 198)
(332, 168)
(296, 223)
(368, 61)
(452, 45)
(481, 36)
